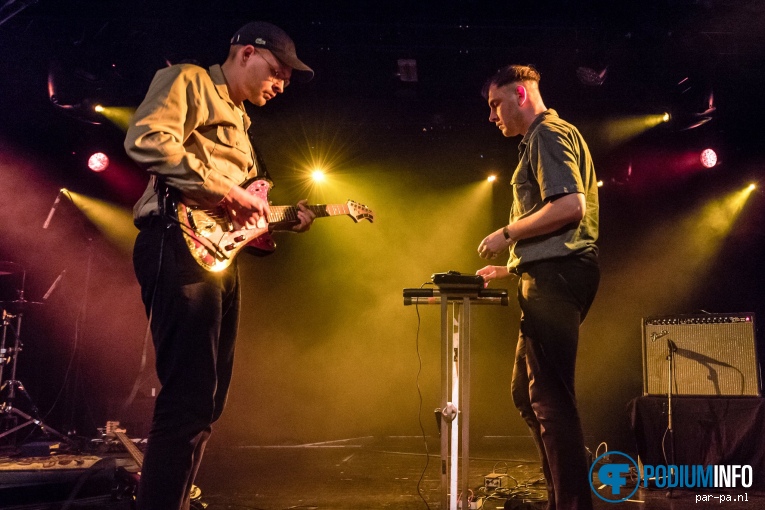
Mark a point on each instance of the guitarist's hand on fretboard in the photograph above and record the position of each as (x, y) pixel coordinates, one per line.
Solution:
(305, 215)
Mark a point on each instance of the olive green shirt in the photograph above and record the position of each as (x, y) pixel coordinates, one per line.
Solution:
(554, 161)
(188, 131)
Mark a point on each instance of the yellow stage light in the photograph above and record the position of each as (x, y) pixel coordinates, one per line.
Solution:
(118, 115)
(491, 178)
(620, 130)
(318, 176)
(116, 223)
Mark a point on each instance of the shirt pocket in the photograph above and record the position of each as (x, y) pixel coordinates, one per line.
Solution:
(523, 201)
(232, 137)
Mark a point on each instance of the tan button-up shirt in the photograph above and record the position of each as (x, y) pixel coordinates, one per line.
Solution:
(188, 132)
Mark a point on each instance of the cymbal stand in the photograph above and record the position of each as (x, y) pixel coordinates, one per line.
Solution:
(12, 385)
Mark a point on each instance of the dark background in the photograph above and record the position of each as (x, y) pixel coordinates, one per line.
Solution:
(327, 349)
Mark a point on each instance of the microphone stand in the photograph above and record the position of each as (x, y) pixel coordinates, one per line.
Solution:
(79, 327)
(672, 349)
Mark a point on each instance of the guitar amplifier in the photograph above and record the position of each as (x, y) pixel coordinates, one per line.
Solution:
(714, 354)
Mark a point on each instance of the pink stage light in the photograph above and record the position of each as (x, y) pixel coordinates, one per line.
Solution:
(708, 158)
(98, 162)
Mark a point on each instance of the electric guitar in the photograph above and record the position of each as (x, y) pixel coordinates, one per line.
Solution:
(214, 240)
(128, 481)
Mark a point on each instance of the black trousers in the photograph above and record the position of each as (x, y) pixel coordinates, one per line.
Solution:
(555, 297)
(194, 321)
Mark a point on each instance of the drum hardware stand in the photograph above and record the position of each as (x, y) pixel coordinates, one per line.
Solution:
(11, 386)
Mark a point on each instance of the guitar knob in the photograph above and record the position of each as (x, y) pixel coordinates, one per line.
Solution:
(239, 239)
(230, 247)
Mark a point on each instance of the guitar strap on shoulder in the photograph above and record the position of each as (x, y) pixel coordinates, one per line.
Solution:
(260, 163)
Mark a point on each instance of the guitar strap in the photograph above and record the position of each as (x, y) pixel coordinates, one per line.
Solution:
(164, 200)
(260, 164)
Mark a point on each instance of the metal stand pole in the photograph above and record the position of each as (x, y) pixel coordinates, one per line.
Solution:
(455, 403)
(672, 348)
(454, 414)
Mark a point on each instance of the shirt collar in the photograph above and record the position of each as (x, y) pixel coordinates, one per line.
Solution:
(537, 121)
(221, 85)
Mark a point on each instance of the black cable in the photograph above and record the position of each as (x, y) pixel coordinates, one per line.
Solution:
(419, 409)
(147, 335)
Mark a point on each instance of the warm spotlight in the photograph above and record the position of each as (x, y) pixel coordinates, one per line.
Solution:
(708, 158)
(752, 187)
(619, 130)
(113, 221)
(98, 162)
(600, 184)
(119, 115)
(318, 176)
(491, 178)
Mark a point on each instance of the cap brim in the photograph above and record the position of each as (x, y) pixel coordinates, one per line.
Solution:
(300, 71)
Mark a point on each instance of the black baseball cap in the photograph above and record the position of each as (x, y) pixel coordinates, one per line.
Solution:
(265, 35)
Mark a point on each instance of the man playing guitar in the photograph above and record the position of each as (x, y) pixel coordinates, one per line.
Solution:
(190, 134)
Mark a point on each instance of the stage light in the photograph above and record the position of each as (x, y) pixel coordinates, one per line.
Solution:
(491, 178)
(708, 158)
(113, 221)
(98, 162)
(619, 130)
(318, 176)
(752, 187)
(600, 184)
(119, 115)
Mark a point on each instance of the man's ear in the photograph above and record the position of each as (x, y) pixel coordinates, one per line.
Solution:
(522, 95)
(247, 52)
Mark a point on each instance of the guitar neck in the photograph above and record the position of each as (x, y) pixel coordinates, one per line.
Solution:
(132, 449)
(289, 213)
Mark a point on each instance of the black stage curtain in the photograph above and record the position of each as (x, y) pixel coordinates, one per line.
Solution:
(707, 430)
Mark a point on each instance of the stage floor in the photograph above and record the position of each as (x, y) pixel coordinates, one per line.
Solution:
(357, 474)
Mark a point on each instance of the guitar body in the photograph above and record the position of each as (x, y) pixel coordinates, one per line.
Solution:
(213, 239)
(211, 235)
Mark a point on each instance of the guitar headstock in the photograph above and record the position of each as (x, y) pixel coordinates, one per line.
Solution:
(359, 212)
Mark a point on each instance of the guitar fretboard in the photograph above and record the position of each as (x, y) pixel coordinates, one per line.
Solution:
(290, 213)
(132, 449)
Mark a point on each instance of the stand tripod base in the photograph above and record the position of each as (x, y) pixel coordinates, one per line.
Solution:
(9, 410)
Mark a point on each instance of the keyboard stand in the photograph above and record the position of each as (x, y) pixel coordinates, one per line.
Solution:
(454, 414)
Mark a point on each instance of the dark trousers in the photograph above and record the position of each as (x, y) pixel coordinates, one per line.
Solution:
(194, 320)
(554, 297)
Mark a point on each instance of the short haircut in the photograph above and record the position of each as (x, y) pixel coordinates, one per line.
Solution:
(510, 74)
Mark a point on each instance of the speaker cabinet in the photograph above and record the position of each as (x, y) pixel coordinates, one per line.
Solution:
(713, 354)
